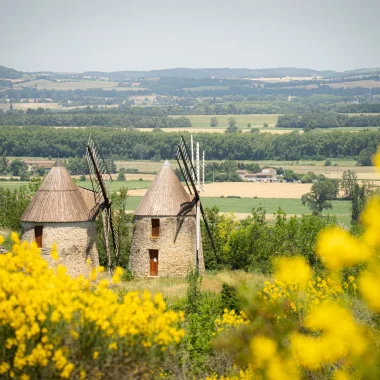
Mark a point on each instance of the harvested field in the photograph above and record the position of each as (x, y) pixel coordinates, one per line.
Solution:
(249, 190)
(25, 106)
(43, 84)
(361, 83)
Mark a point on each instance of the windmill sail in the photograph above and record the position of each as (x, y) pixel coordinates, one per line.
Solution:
(101, 179)
(194, 179)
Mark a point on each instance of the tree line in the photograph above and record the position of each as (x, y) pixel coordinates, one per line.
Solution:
(82, 119)
(133, 144)
(326, 120)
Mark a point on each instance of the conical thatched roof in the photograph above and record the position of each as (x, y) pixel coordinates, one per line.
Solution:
(166, 196)
(58, 200)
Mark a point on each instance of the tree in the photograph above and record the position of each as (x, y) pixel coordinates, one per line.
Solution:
(358, 201)
(232, 127)
(348, 182)
(231, 122)
(214, 122)
(17, 167)
(121, 177)
(3, 165)
(327, 163)
(290, 176)
(249, 125)
(265, 125)
(322, 192)
(310, 177)
(254, 130)
(365, 157)
(40, 170)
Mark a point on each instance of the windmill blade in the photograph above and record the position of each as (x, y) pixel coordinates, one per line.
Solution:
(209, 233)
(99, 173)
(115, 236)
(184, 162)
(182, 168)
(106, 230)
(101, 179)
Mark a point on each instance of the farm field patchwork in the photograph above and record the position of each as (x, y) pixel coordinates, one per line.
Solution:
(43, 84)
(341, 209)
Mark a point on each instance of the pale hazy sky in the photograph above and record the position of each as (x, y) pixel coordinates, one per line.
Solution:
(81, 35)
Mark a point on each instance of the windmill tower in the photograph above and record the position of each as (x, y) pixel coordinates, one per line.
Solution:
(101, 179)
(166, 239)
(61, 213)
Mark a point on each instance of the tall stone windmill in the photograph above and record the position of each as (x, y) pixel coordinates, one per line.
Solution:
(166, 238)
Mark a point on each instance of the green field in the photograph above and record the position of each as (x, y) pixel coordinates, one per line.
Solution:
(12, 184)
(114, 186)
(342, 209)
(256, 120)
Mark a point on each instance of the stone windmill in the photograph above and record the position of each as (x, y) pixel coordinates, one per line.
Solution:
(166, 238)
(61, 213)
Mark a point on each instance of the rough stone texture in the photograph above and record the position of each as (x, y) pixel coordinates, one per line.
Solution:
(176, 246)
(76, 242)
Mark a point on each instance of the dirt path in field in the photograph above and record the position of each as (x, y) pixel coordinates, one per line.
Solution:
(248, 190)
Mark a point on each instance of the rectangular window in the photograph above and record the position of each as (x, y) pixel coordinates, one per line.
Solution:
(38, 230)
(155, 228)
(153, 262)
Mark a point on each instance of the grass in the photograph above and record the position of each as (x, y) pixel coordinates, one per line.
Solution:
(11, 185)
(174, 289)
(256, 120)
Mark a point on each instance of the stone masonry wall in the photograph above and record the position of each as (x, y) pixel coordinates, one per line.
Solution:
(175, 254)
(76, 242)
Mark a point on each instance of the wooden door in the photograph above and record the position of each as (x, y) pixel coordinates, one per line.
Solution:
(153, 262)
(38, 235)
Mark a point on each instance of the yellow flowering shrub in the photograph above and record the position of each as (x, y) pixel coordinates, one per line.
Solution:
(54, 326)
(231, 319)
(298, 300)
(300, 327)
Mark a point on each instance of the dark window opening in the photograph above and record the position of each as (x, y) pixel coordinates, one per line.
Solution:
(155, 227)
(38, 230)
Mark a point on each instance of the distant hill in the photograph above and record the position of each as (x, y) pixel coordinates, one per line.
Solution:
(8, 73)
(278, 72)
(211, 72)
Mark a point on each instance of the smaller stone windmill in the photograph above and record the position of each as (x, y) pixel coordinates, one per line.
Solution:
(61, 213)
(166, 239)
